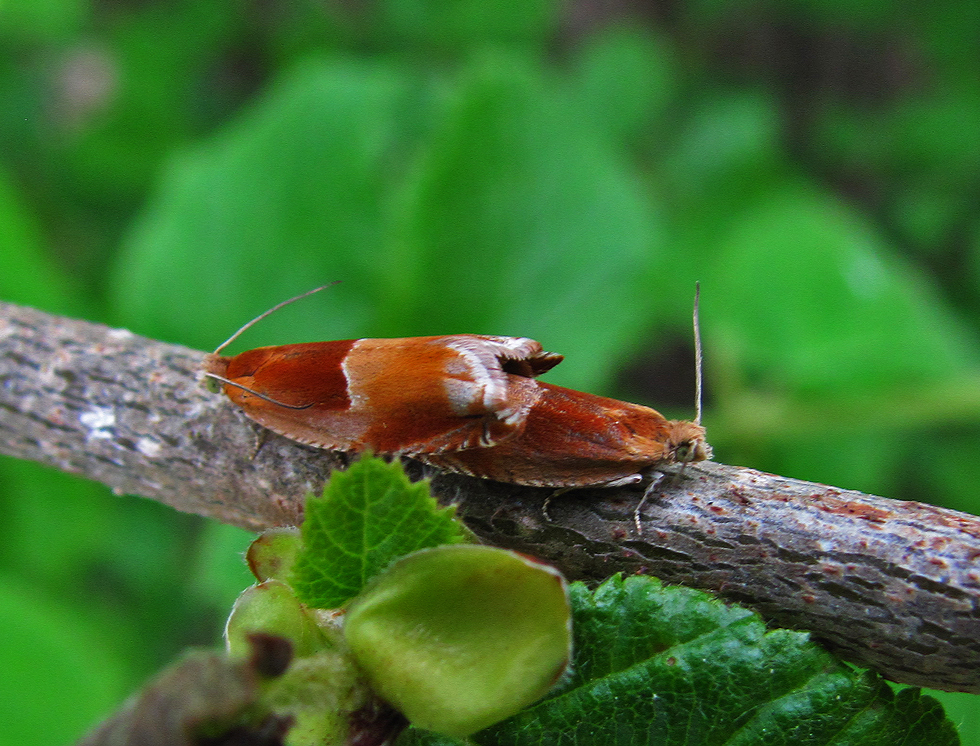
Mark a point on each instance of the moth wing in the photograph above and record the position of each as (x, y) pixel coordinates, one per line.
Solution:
(397, 396)
(439, 394)
(305, 390)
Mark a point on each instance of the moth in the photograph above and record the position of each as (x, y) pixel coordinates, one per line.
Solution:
(465, 403)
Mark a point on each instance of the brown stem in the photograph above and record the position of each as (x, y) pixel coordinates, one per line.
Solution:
(887, 584)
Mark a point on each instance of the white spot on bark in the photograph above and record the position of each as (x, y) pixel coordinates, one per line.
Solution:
(119, 335)
(148, 447)
(99, 421)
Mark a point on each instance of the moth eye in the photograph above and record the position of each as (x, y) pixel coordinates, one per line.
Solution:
(685, 451)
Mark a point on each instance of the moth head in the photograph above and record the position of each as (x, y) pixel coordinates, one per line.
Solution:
(686, 443)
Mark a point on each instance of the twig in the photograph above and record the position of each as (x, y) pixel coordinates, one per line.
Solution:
(886, 584)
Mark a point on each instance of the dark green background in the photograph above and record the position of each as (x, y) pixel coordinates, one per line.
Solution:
(564, 171)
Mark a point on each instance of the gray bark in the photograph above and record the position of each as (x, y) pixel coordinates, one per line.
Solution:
(886, 584)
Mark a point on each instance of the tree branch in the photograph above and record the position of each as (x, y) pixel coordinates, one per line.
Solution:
(886, 584)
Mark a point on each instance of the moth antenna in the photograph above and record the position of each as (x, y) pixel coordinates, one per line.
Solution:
(253, 392)
(261, 316)
(698, 357)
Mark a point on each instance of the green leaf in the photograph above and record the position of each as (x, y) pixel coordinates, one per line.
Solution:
(327, 697)
(29, 275)
(727, 151)
(323, 687)
(272, 607)
(444, 206)
(670, 665)
(46, 20)
(814, 300)
(524, 218)
(459, 24)
(273, 553)
(461, 637)
(368, 516)
(932, 134)
(58, 673)
(288, 196)
(625, 79)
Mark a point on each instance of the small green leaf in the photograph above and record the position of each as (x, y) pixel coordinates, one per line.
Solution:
(460, 637)
(272, 607)
(368, 516)
(273, 553)
(323, 694)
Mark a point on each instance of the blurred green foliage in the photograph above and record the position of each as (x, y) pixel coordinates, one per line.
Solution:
(555, 170)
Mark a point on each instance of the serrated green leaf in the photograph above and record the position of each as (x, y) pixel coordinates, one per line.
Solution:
(668, 665)
(368, 516)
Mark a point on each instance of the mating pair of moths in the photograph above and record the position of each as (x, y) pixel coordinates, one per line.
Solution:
(466, 403)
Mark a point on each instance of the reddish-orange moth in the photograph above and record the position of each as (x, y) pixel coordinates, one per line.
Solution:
(465, 403)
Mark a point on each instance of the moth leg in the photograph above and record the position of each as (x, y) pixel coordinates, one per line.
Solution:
(618, 482)
(261, 436)
(656, 480)
(429, 471)
(623, 481)
(547, 501)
